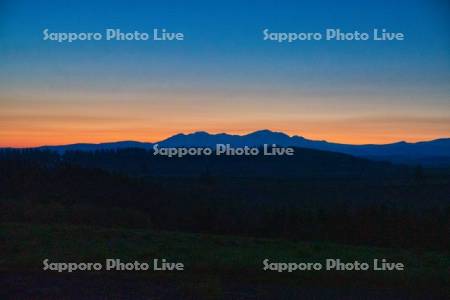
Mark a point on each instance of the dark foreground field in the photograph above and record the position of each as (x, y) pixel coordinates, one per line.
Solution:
(216, 267)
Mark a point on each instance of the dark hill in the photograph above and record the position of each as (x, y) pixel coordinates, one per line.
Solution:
(434, 153)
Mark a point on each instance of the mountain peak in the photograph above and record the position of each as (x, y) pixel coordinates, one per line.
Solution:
(267, 132)
(200, 133)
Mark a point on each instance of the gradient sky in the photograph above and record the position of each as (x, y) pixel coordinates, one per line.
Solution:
(223, 77)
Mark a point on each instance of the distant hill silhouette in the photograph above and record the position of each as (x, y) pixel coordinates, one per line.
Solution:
(305, 163)
(435, 152)
(400, 151)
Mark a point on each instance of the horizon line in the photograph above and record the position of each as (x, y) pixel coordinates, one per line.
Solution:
(213, 134)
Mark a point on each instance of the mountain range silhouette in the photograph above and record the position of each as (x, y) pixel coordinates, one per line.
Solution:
(435, 152)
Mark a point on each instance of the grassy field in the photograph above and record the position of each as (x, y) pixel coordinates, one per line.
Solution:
(213, 258)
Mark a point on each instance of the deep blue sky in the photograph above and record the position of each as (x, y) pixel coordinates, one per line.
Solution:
(224, 77)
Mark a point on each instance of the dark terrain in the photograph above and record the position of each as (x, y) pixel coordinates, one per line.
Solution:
(222, 216)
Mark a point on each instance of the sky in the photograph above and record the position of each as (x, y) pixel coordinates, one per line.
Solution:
(223, 77)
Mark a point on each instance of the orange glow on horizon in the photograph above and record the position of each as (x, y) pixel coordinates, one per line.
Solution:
(39, 119)
(340, 134)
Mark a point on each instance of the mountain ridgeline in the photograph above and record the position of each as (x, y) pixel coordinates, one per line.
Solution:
(434, 153)
(312, 195)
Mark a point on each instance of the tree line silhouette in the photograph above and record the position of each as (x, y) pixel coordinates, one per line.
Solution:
(387, 205)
